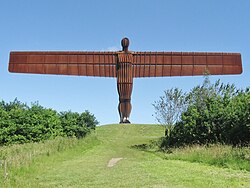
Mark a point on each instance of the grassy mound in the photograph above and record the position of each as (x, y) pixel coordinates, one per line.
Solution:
(110, 157)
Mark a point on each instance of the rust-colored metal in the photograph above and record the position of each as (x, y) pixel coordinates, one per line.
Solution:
(125, 65)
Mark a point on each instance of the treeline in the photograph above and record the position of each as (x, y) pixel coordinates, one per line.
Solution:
(20, 123)
(210, 113)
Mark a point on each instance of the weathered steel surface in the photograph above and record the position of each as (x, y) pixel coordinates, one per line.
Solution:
(158, 64)
(124, 85)
(66, 63)
(126, 65)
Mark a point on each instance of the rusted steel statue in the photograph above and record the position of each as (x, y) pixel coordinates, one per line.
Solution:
(125, 65)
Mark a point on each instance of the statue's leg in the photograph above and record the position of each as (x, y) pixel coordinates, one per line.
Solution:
(124, 107)
(127, 111)
(121, 108)
(120, 111)
(120, 105)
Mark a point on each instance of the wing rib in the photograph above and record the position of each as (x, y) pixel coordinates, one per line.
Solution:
(65, 63)
(157, 64)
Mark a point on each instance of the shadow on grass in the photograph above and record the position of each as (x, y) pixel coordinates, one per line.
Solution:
(152, 146)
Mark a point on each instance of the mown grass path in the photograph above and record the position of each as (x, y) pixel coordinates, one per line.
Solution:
(87, 167)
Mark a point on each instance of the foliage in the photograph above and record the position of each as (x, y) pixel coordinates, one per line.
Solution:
(169, 108)
(78, 125)
(20, 123)
(216, 113)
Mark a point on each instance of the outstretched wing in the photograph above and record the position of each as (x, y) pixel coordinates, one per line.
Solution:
(156, 64)
(101, 64)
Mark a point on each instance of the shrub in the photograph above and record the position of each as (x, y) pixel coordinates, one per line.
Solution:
(78, 125)
(20, 123)
(216, 113)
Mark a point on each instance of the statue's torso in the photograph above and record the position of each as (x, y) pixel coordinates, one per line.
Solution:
(124, 69)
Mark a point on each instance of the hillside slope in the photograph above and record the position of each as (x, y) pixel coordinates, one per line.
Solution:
(111, 161)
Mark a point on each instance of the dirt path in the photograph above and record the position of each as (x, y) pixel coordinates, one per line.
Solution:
(113, 162)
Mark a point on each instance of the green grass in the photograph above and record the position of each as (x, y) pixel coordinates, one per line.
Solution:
(218, 155)
(18, 154)
(85, 164)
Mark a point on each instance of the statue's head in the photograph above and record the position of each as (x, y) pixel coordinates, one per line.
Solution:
(125, 44)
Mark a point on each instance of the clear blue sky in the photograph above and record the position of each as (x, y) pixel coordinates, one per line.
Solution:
(97, 25)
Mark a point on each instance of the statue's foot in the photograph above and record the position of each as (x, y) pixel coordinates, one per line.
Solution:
(125, 120)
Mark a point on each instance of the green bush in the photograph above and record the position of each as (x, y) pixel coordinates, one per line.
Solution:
(78, 125)
(216, 113)
(20, 123)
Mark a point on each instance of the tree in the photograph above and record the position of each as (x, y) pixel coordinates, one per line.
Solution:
(215, 113)
(169, 108)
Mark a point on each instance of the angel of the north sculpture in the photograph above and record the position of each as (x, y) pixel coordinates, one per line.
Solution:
(125, 65)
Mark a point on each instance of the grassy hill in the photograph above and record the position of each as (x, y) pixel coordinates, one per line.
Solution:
(108, 158)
